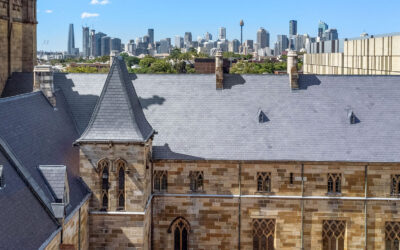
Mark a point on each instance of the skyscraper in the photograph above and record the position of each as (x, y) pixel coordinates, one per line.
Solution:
(282, 44)
(241, 32)
(92, 43)
(222, 33)
(105, 46)
(98, 37)
(188, 38)
(322, 27)
(292, 28)
(85, 42)
(71, 40)
(115, 44)
(179, 42)
(263, 38)
(208, 37)
(234, 46)
(150, 33)
(164, 46)
(331, 34)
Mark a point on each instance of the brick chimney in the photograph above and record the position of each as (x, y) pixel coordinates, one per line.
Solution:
(43, 81)
(292, 69)
(219, 71)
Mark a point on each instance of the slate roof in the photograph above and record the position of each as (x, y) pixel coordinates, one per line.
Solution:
(118, 115)
(193, 120)
(18, 83)
(55, 178)
(35, 134)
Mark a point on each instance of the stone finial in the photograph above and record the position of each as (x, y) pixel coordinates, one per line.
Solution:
(292, 69)
(43, 81)
(219, 71)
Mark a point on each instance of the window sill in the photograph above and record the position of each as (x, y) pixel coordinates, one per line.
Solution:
(334, 194)
(265, 192)
(197, 192)
(160, 191)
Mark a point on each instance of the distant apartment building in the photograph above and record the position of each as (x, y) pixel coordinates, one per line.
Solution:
(377, 55)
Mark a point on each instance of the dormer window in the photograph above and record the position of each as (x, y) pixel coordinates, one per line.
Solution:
(2, 181)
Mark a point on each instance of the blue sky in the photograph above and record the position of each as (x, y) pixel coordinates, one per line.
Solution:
(128, 19)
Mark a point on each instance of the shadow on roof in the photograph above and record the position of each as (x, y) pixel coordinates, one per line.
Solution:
(306, 81)
(146, 102)
(231, 80)
(165, 152)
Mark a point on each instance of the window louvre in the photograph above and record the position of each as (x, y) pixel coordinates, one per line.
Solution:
(196, 180)
(160, 180)
(334, 183)
(264, 182)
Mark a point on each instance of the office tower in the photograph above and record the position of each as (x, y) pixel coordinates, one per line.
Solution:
(131, 46)
(188, 39)
(222, 45)
(322, 27)
(169, 41)
(234, 46)
(263, 38)
(248, 44)
(105, 46)
(85, 42)
(98, 37)
(241, 31)
(164, 46)
(150, 33)
(146, 40)
(92, 43)
(138, 40)
(331, 34)
(115, 44)
(208, 37)
(71, 40)
(282, 44)
(179, 42)
(292, 28)
(222, 33)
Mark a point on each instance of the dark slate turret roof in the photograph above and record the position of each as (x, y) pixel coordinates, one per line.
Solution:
(195, 121)
(118, 115)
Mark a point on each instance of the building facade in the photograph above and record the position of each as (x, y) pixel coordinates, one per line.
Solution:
(364, 56)
(85, 42)
(17, 38)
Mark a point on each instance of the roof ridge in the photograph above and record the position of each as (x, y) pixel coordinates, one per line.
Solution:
(138, 122)
(18, 97)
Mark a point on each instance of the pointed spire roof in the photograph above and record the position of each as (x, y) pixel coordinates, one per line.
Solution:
(118, 115)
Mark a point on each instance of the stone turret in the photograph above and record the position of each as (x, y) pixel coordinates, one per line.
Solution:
(219, 71)
(292, 69)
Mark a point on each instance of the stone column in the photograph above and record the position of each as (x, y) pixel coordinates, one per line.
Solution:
(219, 71)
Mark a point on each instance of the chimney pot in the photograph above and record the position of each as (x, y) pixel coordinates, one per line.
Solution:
(219, 71)
(43, 81)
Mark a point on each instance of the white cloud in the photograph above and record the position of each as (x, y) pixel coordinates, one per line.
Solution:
(48, 11)
(102, 2)
(89, 15)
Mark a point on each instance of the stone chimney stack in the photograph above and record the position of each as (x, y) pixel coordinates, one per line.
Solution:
(292, 69)
(113, 54)
(219, 70)
(43, 81)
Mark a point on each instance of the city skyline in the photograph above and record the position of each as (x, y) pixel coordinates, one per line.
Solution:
(131, 23)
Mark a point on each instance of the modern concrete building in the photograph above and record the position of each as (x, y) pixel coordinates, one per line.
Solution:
(92, 43)
(179, 42)
(71, 40)
(379, 55)
(188, 39)
(263, 38)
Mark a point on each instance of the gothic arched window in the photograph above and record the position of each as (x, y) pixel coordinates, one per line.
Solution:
(181, 228)
(121, 166)
(104, 166)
